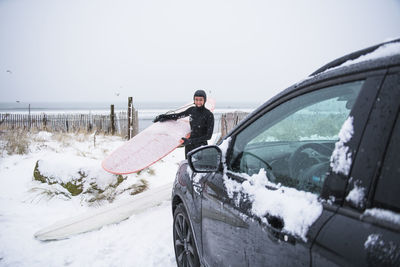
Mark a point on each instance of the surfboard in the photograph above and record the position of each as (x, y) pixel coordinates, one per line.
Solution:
(150, 145)
(100, 217)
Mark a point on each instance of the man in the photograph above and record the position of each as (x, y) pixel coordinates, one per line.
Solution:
(201, 122)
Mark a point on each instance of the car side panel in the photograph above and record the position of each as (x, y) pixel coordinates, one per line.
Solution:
(348, 241)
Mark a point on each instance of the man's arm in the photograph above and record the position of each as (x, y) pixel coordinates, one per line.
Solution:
(174, 116)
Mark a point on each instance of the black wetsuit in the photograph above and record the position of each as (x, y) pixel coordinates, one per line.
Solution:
(201, 125)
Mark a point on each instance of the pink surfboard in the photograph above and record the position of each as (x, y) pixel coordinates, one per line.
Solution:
(150, 145)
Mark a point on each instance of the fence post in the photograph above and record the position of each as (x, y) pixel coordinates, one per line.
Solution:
(66, 123)
(112, 116)
(29, 118)
(44, 122)
(129, 118)
(3, 118)
(135, 122)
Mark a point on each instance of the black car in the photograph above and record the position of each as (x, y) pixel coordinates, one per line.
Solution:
(310, 178)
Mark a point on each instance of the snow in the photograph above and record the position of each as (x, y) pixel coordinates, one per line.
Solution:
(65, 168)
(385, 215)
(357, 195)
(385, 253)
(224, 149)
(386, 50)
(371, 240)
(145, 239)
(298, 209)
(43, 136)
(341, 157)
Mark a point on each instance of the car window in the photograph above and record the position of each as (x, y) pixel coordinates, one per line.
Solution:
(387, 191)
(293, 142)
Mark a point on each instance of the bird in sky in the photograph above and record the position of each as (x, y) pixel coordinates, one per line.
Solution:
(117, 93)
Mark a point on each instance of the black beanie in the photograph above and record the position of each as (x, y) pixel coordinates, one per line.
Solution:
(200, 93)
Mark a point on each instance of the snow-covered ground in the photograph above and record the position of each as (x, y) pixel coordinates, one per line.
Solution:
(144, 239)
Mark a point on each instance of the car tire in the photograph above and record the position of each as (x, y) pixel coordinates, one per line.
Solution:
(184, 243)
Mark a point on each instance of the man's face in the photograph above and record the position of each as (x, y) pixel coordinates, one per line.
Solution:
(199, 101)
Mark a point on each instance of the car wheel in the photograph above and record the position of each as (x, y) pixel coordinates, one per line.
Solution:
(184, 243)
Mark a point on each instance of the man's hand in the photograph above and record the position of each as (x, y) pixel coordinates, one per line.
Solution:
(160, 118)
(186, 141)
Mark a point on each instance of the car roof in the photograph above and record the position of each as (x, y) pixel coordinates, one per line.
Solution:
(358, 54)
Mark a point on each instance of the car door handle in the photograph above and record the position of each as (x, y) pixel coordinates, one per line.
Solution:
(275, 222)
(275, 229)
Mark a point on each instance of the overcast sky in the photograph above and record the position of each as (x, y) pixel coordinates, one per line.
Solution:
(163, 50)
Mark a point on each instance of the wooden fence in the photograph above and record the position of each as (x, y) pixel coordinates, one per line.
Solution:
(230, 120)
(107, 124)
(91, 122)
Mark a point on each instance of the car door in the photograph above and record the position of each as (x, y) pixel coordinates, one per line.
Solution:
(366, 229)
(283, 150)
(222, 227)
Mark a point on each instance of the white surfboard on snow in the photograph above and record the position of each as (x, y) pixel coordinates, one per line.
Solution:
(104, 216)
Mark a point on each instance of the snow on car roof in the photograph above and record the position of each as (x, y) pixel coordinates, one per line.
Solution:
(382, 51)
(386, 50)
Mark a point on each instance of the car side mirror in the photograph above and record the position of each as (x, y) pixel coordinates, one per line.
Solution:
(205, 159)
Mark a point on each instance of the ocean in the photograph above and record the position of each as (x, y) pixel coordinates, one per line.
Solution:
(147, 111)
